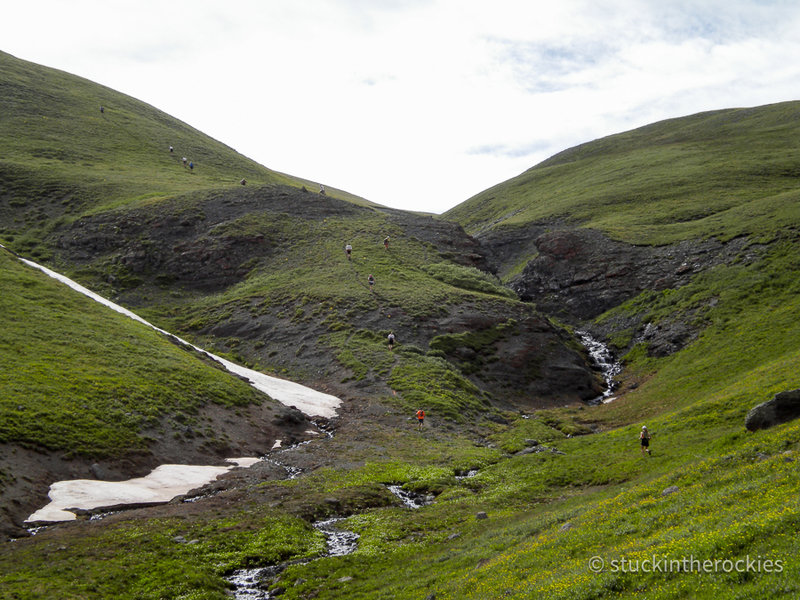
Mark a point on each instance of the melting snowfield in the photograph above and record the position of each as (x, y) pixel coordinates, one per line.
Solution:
(161, 485)
(309, 401)
(167, 481)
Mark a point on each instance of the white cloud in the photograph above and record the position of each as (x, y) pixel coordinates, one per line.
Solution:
(418, 104)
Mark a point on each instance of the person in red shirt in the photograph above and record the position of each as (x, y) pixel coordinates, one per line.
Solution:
(420, 417)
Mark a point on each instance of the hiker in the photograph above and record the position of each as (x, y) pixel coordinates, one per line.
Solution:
(644, 436)
(391, 341)
(171, 149)
(420, 418)
(321, 189)
(243, 181)
(191, 165)
(184, 161)
(386, 242)
(371, 281)
(347, 250)
(102, 110)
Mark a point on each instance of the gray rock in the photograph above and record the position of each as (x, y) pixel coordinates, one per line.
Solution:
(481, 515)
(784, 407)
(99, 472)
(670, 490)
(566, 526)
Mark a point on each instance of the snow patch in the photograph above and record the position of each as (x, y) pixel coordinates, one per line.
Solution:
(309, 401)
(161, 485)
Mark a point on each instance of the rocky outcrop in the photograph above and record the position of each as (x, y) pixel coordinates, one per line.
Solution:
(784, 407)
(577, 274)
(211, 241)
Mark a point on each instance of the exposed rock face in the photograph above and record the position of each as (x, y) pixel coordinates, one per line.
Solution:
(211, 242)
(524, 362)
(198, 249)
(578, 274)
(784, 407)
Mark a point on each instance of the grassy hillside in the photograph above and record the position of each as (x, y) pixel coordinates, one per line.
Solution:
(258, 272)
(62, 157)
(723, 173)
(109, 205)
(79, 378)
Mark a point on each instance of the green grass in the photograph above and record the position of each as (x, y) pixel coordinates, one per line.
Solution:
(73, 159)
(149, 560)
(717, 174)
(70, 387)
(82, 379)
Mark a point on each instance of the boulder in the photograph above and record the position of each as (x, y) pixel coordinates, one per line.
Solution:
(525, 451)
(784, 407)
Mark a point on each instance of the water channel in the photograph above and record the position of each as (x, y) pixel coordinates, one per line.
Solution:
(609, 367)
(252, 584)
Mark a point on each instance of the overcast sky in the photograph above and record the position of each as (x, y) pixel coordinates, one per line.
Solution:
(417, 104)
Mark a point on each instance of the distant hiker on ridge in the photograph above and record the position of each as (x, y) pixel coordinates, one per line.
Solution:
(644, 436)
(243, 181)
(391, 341)
(371, 281)
(321, 189)
(347, 250)
(420, 418)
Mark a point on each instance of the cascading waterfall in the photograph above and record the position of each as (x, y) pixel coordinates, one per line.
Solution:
(605, 361)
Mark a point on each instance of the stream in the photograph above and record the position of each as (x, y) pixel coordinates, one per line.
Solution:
(251, 584)
(605, 361)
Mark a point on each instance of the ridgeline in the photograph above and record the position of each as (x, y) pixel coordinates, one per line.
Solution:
(675, 243)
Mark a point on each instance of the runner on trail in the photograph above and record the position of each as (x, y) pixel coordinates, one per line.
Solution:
(420, 418)
(391, 341)
(371, 281)
(386, 242)
(644, 436)
(347, 250)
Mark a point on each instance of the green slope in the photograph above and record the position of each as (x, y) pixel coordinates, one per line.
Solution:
(80, 379)
(62, 157)
(723, 173)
